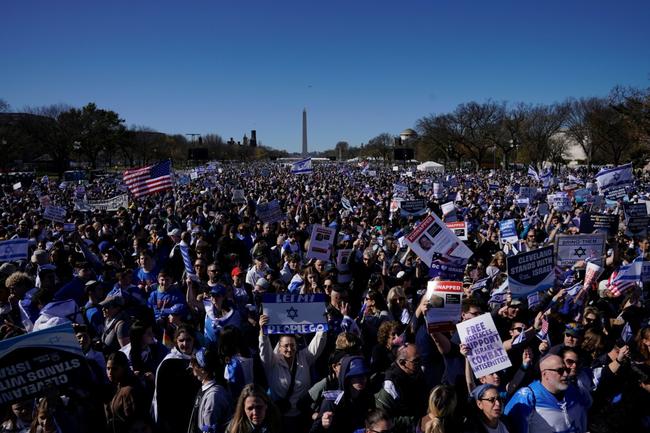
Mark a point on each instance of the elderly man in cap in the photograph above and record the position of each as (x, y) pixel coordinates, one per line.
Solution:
(551, 404)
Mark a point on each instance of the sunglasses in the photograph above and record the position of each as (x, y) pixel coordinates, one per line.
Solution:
(493, 400)
(518, 329)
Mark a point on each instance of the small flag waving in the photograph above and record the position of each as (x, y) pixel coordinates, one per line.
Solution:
(533, 173)
(302, 167)
(15, 249)
(627, 277)
(150, 179)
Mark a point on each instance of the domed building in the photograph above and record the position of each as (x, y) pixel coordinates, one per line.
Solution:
(407, 135)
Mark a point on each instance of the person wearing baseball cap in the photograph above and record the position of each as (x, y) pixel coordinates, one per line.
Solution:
(212, 406)
(241, 291)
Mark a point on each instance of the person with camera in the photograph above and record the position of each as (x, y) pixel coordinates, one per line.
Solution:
(288, 373)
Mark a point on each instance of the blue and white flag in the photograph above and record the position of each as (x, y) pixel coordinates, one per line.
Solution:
(187, 261)
(294, 314)
(546, 177)
(615, 177)
(15, 249)
(533, 173)
(302, 167)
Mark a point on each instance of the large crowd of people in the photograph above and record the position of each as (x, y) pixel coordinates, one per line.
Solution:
(169, 293)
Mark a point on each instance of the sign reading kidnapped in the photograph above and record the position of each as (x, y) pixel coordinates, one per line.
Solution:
(533, 270)
(33, 363)
(294, 314)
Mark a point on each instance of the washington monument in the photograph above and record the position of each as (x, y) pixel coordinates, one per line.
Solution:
(304, 132)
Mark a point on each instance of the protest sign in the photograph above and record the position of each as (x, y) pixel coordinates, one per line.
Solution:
(321, 242)
(270, 212)
(432, 239)
(294, 314)
(542, 209)
(508, 232)
(572, 248)
(14, 249)
(444, 299)
(459, 228)
(111, 204)
(69, 227)
(527, 192)
(522, 202)
(560, 202)
(437, 190)
(238, 196)
(343, 267)
(486, 352)
(447, 271)
(582, 195)
(449, 211)
(605, 222)
(33, 364)
(532, 270)
(636, 218)
(395, 168)
(17, 186)
(413, 207)
(54, 213)
(400, 190)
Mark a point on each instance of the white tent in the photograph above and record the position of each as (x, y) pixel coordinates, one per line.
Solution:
(431, 167)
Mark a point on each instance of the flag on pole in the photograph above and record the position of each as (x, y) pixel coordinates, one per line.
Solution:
(617, 176)
(150, 179)
(542, 334)
(533, 173)
(302, 167)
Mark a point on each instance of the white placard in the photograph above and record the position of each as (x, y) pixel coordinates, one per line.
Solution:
(487, 354)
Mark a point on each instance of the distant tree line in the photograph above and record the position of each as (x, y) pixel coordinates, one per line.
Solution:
(58, 134)
(610, 130)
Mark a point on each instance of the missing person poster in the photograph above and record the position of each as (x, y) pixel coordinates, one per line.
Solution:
(486, 352)
(431, 239)
(444, 299)
(294, 314)
(459, 228)
(321, 243)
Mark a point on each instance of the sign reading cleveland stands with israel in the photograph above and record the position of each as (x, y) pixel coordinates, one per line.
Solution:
(294, 314)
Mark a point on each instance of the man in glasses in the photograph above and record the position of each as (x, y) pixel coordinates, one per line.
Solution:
(404, 395)
(551, 404)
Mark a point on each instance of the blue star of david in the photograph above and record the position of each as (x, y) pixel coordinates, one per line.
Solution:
(616, 176)
(292, 313)
(580, 252)
(9, 251)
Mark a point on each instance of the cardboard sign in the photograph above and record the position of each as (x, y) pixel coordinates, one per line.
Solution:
(270, 212)
(33, 363)
(413, 207)
(572, 248)
(487, 354)
(444, 298)
(343, 267)
(605, 222)
(55, 213)
(508, 232)
(294, 314)
(321, 243)
(530, 271)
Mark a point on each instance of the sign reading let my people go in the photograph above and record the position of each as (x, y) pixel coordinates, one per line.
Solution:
(294, 314)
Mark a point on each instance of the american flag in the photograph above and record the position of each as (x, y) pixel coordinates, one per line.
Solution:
(542, 334)
(150, 179)
(628, 276)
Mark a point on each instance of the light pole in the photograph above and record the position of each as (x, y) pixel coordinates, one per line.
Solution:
(494, 158)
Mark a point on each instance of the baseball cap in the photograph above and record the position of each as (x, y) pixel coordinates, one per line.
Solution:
(112, 301)
(236, 271)
(357, 368)
(218, 290)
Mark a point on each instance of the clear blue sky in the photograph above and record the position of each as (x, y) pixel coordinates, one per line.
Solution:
(360, 67)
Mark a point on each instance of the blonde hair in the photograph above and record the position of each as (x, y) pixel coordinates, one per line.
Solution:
(395, 292)
(442, 404)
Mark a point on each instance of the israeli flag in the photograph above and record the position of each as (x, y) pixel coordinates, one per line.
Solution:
(617, 176)
(533, 173)
(15, 249)
(187, 261)
(546, 177)
(302, 167)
